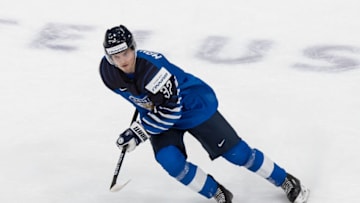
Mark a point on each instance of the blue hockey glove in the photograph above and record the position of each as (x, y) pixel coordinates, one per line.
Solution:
(132, 137)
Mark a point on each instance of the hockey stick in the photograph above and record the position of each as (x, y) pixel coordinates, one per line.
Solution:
(116, 187)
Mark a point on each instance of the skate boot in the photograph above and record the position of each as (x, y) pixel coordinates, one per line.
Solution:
(295, 192)
(223, 195)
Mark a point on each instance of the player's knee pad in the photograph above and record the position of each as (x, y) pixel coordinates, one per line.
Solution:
(171, 159)
(239, 154)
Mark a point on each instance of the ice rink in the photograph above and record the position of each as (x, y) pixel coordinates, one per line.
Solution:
(286, 73)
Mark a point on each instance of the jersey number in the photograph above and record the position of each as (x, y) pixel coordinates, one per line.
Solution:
(166, 89)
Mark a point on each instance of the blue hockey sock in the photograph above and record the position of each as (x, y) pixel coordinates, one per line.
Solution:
(257, 162)
(174, 162)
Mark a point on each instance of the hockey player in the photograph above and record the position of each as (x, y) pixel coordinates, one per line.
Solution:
(171, 102)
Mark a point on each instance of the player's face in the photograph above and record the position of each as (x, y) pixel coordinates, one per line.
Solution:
(125, 60)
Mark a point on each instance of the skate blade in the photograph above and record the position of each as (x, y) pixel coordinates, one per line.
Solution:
(303, 196)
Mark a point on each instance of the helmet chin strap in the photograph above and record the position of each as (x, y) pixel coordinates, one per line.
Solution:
(135, 53)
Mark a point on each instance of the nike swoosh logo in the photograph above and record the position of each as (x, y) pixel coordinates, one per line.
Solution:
(220, 144)
(122, 89)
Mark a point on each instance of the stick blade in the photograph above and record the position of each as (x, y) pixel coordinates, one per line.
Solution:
(118, 187)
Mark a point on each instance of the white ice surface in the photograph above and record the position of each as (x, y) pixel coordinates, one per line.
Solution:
(58, 122)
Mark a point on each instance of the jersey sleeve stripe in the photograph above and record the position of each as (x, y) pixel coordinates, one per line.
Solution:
(151, 124)
(159, 120)
(176, 109)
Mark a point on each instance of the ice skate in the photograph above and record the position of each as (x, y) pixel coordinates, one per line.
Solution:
(223, 195)
(295, 191)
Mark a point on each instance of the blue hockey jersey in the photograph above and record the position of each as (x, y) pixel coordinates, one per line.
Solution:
(165, 96)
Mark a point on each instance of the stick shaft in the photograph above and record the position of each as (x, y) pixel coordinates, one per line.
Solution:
(121, 157)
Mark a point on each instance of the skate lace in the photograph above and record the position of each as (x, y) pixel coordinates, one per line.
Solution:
(292, 188)
(220, 196)
(287, 186)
